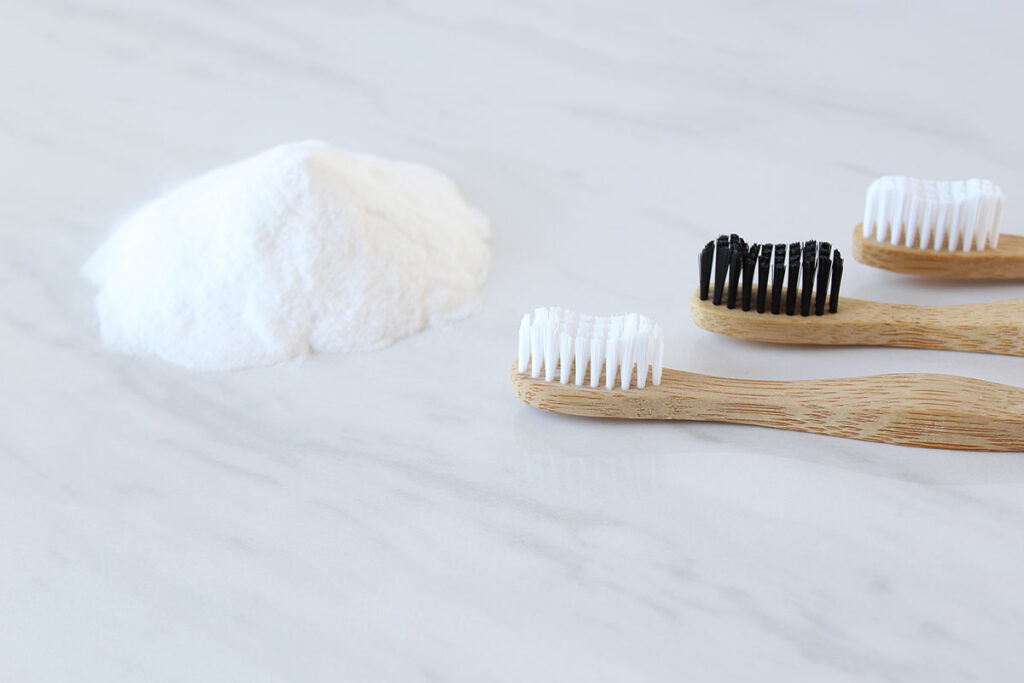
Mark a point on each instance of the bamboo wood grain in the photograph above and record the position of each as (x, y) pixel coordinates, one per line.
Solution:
(991, 327)
(928, 410)
(1005, 262)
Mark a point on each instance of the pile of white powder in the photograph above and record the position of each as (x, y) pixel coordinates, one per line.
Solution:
(301, 249)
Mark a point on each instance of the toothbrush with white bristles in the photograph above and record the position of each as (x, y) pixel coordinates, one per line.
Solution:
(563, 356)
(570, 342)
(939, 228)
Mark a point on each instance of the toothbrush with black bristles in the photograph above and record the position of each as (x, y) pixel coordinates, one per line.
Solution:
(795, 299)
(735, 264)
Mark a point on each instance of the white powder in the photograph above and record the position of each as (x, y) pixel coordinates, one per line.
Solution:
(301, 249)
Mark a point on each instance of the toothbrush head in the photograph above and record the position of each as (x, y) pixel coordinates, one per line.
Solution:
(947, 229)
(563, 345)
(957, 215)
(795, 279)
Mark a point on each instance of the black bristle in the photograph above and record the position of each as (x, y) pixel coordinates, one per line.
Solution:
(721, 268)
(812, 247)
(764, 266)
(749, 262)
(778, 277)
(704, 260)
(794, 277)
(743, 274)
(735, 267)
(837, 277)
(821, 291)
(810, 252)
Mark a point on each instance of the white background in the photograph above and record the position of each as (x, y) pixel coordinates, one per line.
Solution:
(398, 515)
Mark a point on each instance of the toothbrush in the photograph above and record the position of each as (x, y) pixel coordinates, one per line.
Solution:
(937, 228)
(584, 365)
(798, 306)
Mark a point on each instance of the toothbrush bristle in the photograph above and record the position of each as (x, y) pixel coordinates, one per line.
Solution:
(524, 343)
(704, 260)
(735, 259)
(821, 286)
(764, 264)
(566, 346)
(796, 279)
(934, 214)
(749, 263)
(808, 265)
(837, 278)
(779, 275)
(721, 267)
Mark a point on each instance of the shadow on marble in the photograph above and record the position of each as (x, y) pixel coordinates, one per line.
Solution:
(641, 448)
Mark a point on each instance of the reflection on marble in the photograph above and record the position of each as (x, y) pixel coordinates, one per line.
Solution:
(397, 515)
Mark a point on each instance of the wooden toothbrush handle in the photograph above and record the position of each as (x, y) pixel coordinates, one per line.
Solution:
(1005, 262)
(936, 411)
(992, 327)
(931, 410)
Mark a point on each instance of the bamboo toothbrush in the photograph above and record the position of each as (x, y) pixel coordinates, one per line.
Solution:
(938, 228)
(794, 286)
(563, 358)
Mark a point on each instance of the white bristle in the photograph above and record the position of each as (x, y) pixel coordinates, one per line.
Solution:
(524, 343)
(983, 226)
(597, 343)
(537, 343)
(944, 219)
(659, 352)
(883, 218)
(629, 341)
(643, 348)
(611, 360)
(914, 216)
(900, 196)
(550, 357)
(934, 214)
(959, 220)
(581, 356)
(556, 340)
(565, 349)
(974, 213)
(626, 367)
(931, 211)
(997, 216)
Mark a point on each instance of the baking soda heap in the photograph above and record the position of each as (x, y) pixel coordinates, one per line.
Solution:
(301, 249)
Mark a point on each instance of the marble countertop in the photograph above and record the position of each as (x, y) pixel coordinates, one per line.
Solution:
(397, 515)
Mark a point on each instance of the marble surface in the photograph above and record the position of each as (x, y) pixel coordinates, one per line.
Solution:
(398, 515)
